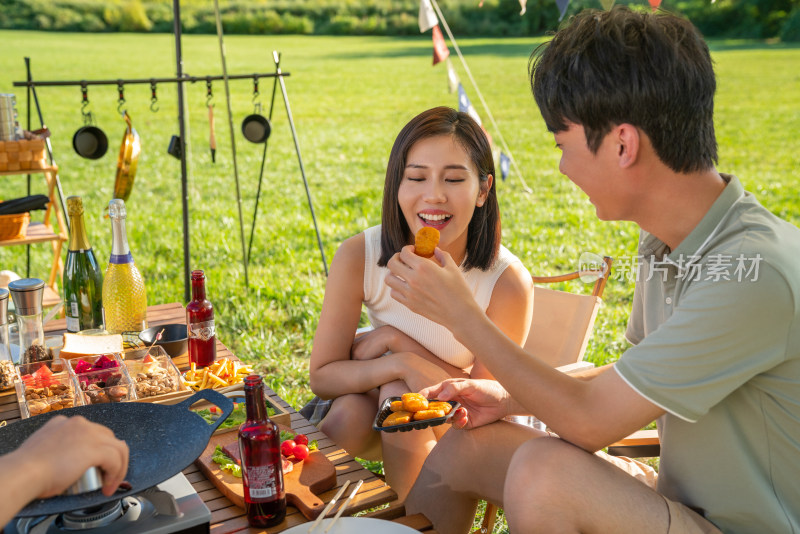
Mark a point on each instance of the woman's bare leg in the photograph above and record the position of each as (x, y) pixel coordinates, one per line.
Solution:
(349, 424)
(466, 465)
(404, 452)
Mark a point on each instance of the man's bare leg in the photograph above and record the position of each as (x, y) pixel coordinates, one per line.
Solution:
(556, 487)
(466, 465)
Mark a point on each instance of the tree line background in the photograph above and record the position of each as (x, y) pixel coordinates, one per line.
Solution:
(745, 19)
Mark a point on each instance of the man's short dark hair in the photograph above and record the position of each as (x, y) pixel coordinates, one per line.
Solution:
(653, 71)
(483, 232)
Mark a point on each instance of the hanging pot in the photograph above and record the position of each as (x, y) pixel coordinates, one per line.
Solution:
(90, 141)
(163, 441)
(256, 127)
(127, 160)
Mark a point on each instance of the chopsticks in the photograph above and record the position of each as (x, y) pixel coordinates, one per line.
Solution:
(328, 508)
(331, 504)
(346, 503)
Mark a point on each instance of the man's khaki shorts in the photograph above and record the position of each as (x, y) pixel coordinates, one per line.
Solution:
(682, 519)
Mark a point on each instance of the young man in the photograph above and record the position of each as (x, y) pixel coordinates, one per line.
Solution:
(715, 319)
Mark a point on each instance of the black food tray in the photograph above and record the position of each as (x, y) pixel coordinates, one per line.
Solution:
(386, 409)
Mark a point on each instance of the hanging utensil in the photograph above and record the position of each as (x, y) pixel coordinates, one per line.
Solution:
(212, 138)
(127, 160)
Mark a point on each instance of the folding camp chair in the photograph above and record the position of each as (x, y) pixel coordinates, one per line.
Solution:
(560, 330)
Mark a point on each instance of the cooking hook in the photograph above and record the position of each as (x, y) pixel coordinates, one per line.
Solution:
(121, 100)
(153, 97)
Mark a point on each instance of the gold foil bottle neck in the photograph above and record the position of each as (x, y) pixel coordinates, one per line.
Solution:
(74, 206)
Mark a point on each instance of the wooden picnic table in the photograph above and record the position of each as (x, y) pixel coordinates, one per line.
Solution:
(227, 517)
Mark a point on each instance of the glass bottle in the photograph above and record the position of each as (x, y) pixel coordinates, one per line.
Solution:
(124, 295)
(5, 346)
(200, 324)
(27, 294)
(262, 467)
(83, 281)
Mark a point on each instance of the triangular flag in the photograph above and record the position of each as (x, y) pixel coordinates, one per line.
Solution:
(452, 77)
(562, 7)
(480, 4)
(654, 4)
(427, 16)
(522, 5)
(465, 105)
(440, 50)
(505, 166)
(607, 4)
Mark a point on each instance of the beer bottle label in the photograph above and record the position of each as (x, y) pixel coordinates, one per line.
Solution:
(261, 479)
(202, 331)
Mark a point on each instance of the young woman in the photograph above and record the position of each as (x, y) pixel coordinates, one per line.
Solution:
(440, 174)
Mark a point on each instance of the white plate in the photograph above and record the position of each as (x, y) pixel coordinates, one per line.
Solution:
(354, 525)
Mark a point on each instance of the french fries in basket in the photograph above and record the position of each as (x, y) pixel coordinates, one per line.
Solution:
(220, 374)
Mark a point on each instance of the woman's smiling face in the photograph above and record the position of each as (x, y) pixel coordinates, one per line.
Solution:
(441, 188)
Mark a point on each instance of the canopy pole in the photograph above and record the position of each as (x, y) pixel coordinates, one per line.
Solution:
(176, 8)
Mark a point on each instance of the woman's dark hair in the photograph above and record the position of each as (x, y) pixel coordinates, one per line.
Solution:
(483, 232)
(653, 71)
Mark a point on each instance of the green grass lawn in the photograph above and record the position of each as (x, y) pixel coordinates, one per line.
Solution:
(349, 96)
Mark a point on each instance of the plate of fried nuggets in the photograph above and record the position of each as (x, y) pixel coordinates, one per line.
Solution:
(412, 411)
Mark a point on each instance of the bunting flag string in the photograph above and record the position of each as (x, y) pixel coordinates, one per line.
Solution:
(465, 106)
(505, 166)
(562, 8)
(523, 6)
(427, 16)
(452, 78)
(440, 50)
(446, 27)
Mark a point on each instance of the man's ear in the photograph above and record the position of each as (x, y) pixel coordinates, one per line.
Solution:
(628, 144)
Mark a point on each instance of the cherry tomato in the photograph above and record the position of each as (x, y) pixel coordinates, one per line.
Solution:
(213, 409)
(300, 452)
(287, 447)
(301, 439)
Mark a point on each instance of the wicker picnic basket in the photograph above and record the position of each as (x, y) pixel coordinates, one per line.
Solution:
(14, 226)
(22, 155)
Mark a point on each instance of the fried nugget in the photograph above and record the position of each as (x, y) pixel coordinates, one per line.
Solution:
(440, 405)
(397, 418)
(428, 414)
(396, 406)
(414, 402)
(425, 241)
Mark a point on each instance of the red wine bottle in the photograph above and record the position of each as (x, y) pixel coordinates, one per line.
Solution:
(262, 466)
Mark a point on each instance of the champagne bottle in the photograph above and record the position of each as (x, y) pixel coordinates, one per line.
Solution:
(124, 295)
(83, 281)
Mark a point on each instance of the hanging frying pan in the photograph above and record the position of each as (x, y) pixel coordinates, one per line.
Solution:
(127, 160)
(163, 441)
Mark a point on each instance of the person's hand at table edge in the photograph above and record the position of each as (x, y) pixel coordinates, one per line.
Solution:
(54, 457)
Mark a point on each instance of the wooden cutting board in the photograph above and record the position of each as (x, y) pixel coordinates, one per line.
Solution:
(312, 476)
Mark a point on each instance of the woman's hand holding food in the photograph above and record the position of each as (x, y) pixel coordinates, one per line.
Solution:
(434, 289)
(482, 401)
